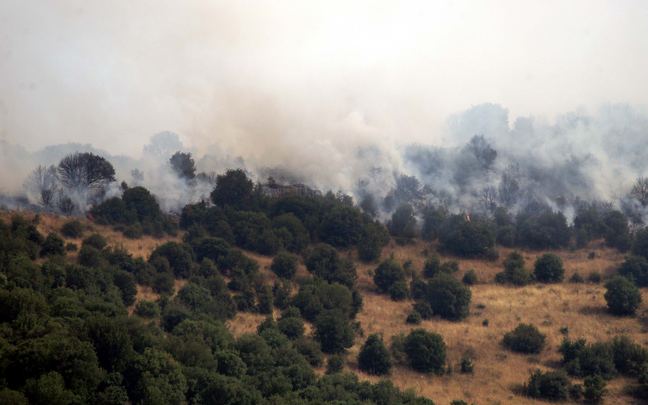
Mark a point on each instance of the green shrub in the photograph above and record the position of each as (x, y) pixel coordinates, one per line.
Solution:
(622, 296)
(335, 364)
(413, 318)
(53, 246)
(470, 278)
(594, 277)
(147, 309)
(133, 231)
(635, 268)
(374, 358)
(594, 389)
(90, 256)
(514, 271)
(448, 297)
(71, 247)
(552, 385)
(425, 351)
(467, 363)
(576, 278)
(424, 309)
(284, 265)
(549, 269)
(387, 274)
(525, 338)
(95, 240)
(582, 360)
(399, 290)
(292, 327)
(73, 229)
(431, 266)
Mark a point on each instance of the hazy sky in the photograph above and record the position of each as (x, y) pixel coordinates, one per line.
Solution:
(256, 75)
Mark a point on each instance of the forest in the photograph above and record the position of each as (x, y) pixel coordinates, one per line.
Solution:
(89, 316)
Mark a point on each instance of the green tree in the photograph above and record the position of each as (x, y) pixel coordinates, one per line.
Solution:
(552, 385)
(426, 351)
(402, 223)
(448, 297)
(325, 262)
(594, 389)
(514, 270)
(387, 274)
(232, 188)
(617, 233)
(284, 265)
(142, 202)
(333, 331)
(374, 358)
(162, 380)
(549, 269)
(635, 268)
(183, 165)
(525, 338)
(53, 245)
(622, 296)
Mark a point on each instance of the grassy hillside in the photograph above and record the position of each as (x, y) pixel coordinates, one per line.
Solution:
(558, 310)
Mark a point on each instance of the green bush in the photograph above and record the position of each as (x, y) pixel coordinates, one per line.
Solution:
(133, 231)
(399, 290)
(284, 265)
(448, 297)
(514, 271)
(576, 278)
(147, 309)
(426, 351)
(622, 296)
(594, 389)
(374, 358)
(333, 331)
(53, 246)
(89, 256)
(335, 364)
(552, 385)
(635, 268)
(95, 240)
(470, 278)
(582, 360)
(71, 247)
(594, 277)
(467, 238)
(525, 338)
(467, 363)
(73, 229)
(413, 318)
(387, 274)
(424, 309)
(549, 269)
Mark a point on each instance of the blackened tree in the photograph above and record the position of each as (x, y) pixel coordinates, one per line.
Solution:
(43, 182)
(85, 171)
(640, 191)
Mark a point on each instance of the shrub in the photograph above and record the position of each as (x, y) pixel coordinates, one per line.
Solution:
(164, 283)
(178, 255)
(333, 331)
(90, 256)
(387, 274)
(635, 268)
(524, 339)
(284, 265)
(73, 229)
(514, 271)
(629, 357)
(467, 364)
(147, 309)
(576, 278)
(431, 266)
(133, 231)
(594, 277)
(413, 318)
(335, 364)
(374, 358)
(582, 360)
(426, 351)
(448, 297)
(622, 296)
(311, 350)
(71, 247)
(467, 238)
(95, 240)
(470, 278)
(53, 245)
(549, 269)
(399, 290)
(402, 223)
(594, 389)
(506, 236)
(325, 262)
(424, 309)
(552, 385)
(292, 327)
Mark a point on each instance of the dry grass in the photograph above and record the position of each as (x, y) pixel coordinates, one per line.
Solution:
(580, 307)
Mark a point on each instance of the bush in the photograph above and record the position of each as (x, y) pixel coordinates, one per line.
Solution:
(387, 274)
(424, 309)
(179, 257)
(413, 318)
(402, 223)
(71, 247)
(448, 297)
(622, 296)
(524, 339)
(374, 358)
(635, 268)
(284, 265)
(325, 262)
(594, 389)
(576, 278)
(293, 328)
(426, 351)
(335, 364)
(73, 229)
(582, 360)
(470, 278)
(95, 240)
(467, 364)
(90, 256)
(399, 290)
(514, 271)
(147, 309)
(467, 238)
(594, 277)
(431, 266)
(53, 245)
(549, 269)
(506, 236)
(333, 331)
(164, 283)
(552, 385)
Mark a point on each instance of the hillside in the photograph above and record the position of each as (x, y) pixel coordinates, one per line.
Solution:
(498, 372)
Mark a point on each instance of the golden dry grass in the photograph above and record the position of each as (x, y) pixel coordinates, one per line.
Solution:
(579, 307)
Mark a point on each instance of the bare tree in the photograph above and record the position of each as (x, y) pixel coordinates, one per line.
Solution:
(640, 191)
(64, 203)
(82, 171)
(43, 182)
(509, 186)
(488, 198)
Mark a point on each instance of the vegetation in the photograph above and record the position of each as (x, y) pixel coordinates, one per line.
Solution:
(525, 338)
(425, 351)
(622, 296)
(374, 358)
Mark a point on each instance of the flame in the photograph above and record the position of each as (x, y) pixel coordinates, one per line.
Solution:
(468, 217)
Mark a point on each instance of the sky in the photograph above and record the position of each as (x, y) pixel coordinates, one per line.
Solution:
(261, 77)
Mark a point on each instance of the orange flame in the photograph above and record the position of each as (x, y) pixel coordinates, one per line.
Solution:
(468, 217)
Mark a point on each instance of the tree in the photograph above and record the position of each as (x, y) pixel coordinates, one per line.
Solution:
(594, 389)
(617, 234)
(640, 191)
(232, 188)
(284, 265)
(53, 245)
(325, 262)
(526, 338)
(514, 271)
(333, 331)
(635, 268)
(43, 183)
(549, 269)
(552, 385)
(83, 171)
(467, 238)
(622, 296)
(640, 244)
(184, 165)
(402, 223)
(448, 298)
(426, 351)
(141, 201)
(374, 358)
(387, 274)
